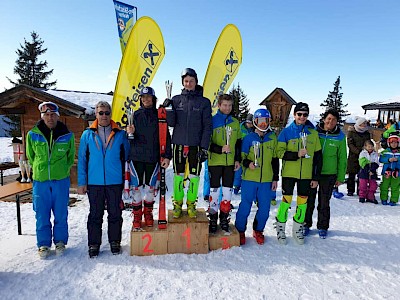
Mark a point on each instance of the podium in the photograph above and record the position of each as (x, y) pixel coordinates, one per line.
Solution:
(183, 235)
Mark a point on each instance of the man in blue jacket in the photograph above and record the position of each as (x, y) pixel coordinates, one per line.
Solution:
(191, 119)
(103, 151)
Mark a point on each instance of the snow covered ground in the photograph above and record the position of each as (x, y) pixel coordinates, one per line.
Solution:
(358, 260)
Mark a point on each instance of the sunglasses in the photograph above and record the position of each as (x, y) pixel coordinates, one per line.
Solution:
(107, 113)
(48, 108)
(302, 115)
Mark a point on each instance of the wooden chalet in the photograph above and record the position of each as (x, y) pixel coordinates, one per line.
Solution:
(387, 110)
(279, 104)
(23, 100)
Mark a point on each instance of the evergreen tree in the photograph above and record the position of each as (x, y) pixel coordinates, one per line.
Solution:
(30, 70)
(334, 100)
(240, 103)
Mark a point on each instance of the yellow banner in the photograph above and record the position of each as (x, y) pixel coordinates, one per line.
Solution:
(143, 55)
(224, 64)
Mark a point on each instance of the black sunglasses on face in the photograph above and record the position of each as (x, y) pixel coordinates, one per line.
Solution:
(107, 113)
(302, 114)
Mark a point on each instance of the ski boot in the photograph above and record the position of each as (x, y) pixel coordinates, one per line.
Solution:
(115, 247)
(213, 217)
(137, 217)
(191, 209)
(94, 251)
(60, 248)
(224, 217)
(297, 232)
(306, 230)
(192, 196)
(259, 236)
(280, 232)
(391, 203)
(177, 200)
(361, 200)
(148, 205)
(384, 202)
(148, 213)
(44, 252)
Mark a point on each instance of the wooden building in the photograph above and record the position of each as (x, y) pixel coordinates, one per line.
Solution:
(23, 100)
(279, 104)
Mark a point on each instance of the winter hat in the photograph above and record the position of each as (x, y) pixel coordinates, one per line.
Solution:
(301, 106)
(249, 118)
(360, 120)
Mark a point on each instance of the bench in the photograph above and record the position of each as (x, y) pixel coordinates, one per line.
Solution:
(15, 188)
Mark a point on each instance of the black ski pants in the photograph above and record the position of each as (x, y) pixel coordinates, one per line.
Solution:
(325, 189)
(101, 197)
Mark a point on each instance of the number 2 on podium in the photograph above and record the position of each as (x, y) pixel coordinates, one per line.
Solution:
(146, 248)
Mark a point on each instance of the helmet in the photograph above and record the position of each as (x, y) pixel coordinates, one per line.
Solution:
(189, 72)
(392, 138)
(261, 116)
(147, 91)
(249, 118)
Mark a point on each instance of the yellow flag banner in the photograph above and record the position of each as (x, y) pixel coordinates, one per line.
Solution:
(224, 64)
(143, 55)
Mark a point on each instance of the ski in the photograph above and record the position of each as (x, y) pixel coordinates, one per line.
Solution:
(162, 132)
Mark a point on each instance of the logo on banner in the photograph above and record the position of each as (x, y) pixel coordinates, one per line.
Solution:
(231, 61)
(151, 54)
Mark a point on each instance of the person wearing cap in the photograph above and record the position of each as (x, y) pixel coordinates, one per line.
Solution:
(191, 119)
(300, 150)
(390, 157)
(334, 163)
(356, 137)
(246, 127)
(50, 149)
(103, 151)
(145, 157)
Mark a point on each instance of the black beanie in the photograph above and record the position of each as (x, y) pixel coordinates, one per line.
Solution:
(301, 106)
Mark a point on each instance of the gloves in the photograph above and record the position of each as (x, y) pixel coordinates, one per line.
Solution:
(167, 102)
(202, 155)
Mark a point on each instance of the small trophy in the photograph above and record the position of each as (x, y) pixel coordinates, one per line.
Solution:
(168, 87)
(256, 146)
(303, 137)
(228, 130)
(129, 114)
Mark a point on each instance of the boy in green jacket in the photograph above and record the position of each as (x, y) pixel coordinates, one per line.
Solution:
(300, 151)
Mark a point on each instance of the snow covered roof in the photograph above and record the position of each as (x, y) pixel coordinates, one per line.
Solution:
(88, 100)
(393, 104)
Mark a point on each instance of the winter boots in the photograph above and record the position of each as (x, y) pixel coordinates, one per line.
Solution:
(137, 216)
(44, 252)
(259, 236)
(192, 196)
(115, 247)
(148, 213)
(60, 248)
(178, 196)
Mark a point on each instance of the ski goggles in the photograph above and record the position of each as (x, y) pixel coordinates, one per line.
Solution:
(261, 122)
(107, 113)
(48, 107)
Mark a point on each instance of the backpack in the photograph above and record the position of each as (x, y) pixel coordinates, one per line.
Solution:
(383, 140)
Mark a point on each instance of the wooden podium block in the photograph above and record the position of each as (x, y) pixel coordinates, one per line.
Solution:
(150, 241)
(221, 241)
(188, 235)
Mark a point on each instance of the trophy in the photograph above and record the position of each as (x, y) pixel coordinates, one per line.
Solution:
(256, 146)
(303, 137)
(228, 130)
(129, 114)
(168, 87)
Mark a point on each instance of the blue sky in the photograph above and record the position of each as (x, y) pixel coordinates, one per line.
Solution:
(300, 46)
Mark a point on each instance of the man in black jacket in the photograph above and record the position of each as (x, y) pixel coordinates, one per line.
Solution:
(191, 119)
